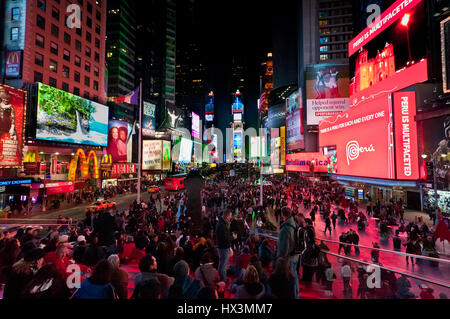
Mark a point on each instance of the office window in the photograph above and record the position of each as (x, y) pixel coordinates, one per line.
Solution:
(76, 76)
(67, 38)
(41, 4)
(55, 31)
(40, 22)
(14, 35)
(80, 2)
(89, 22)
(39, 40)
(98, 2)
(66, 55)
(38, 77)
(86, 95)
(88, 52)
(87, 81)
(97, 57)
(15, 14)
(53, 66)
(87, 66)
(55, 13)
(97, 29)
(52, 82)
(95, 98)
(76, 91)
(78, 31)
(323, 57)
(65, 71)
(88, 37)
(96, 71)
(78, 45)
(96, 85)
(38, 59)
(77, 61)
(89, 7)
(65, 87)
(53, 48)
(98, 15)
(97, 43)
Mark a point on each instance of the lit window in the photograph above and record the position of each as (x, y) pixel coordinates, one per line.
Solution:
(323, 57)
(324, 48)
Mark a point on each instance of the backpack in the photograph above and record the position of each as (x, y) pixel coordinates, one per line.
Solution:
(299, 240)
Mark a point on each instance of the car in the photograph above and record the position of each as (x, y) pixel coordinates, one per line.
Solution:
(153, 189)
(100, 205)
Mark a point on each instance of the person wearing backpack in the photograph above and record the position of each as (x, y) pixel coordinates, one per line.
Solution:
(287, 244)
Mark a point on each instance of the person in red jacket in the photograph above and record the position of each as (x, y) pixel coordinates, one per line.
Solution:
(59, 259)
(426, 293)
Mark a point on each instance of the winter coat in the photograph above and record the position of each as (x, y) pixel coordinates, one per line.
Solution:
(223, 234)
(286, 238)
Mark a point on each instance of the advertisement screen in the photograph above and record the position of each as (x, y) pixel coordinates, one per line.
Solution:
(148, 119)
(254, 146)
(13, 65)
(445, 48)
(237, 144)
(294, 128)
(185, 150)
(238, 106)
(166, 155)
(11, 126)
(327, 91)
(120, 142)
(275, 144)
(388, 49)
(209, 117)
(387, 18)
(152, 155)
(277, 116)
(363, 139)
(209, 107)
(237, 117)
(407, 157)
(175, 118)
(65, 117)
(195, 125)
(301, 162)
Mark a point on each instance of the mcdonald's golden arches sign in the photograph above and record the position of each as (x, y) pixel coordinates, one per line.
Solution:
(13, 68)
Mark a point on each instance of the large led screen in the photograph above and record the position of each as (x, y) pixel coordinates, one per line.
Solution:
(300, 162)
(195, 125)
(185, 151)
(151, 155)
(65, 117)
(294, 128)
(327, 91)
(363, 137)
(120, 141)
(11, 126)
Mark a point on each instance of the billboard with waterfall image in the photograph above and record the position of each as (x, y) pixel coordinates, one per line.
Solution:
(65, 117)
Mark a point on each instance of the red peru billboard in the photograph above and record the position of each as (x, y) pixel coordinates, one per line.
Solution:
(300, 162)
(406, 136)
(387, 18)
(363, 138)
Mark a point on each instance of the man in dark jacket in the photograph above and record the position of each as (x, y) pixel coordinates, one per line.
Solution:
(223, 240)
(286, 244)
(104, 226)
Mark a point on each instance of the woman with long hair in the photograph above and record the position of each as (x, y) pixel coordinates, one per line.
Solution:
(251, 288)
(281, 282)
(119, 277)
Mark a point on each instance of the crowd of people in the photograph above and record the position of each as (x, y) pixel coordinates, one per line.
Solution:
(226, 260)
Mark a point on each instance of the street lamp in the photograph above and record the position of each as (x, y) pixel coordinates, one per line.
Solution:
(405, 22)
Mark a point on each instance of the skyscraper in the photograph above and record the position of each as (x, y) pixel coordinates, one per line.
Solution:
(52, 51)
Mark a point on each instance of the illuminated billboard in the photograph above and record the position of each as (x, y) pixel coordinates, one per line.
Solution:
(327, 91)
(185, 155)
(152, 155)
(237, 106)
(407, 154)
(301, 162)
(65, 117)
(166, 156)
(12, 106)
(148, 119)
(294, 125)
(120, 142)
(195, 125)
(445, 48)
(275, 144)
(363, 139)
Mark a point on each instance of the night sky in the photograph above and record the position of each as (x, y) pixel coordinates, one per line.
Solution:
(234, 28)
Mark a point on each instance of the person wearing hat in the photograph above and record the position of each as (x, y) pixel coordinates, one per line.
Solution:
(22, 272)
(184, 286)
(426, 293)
